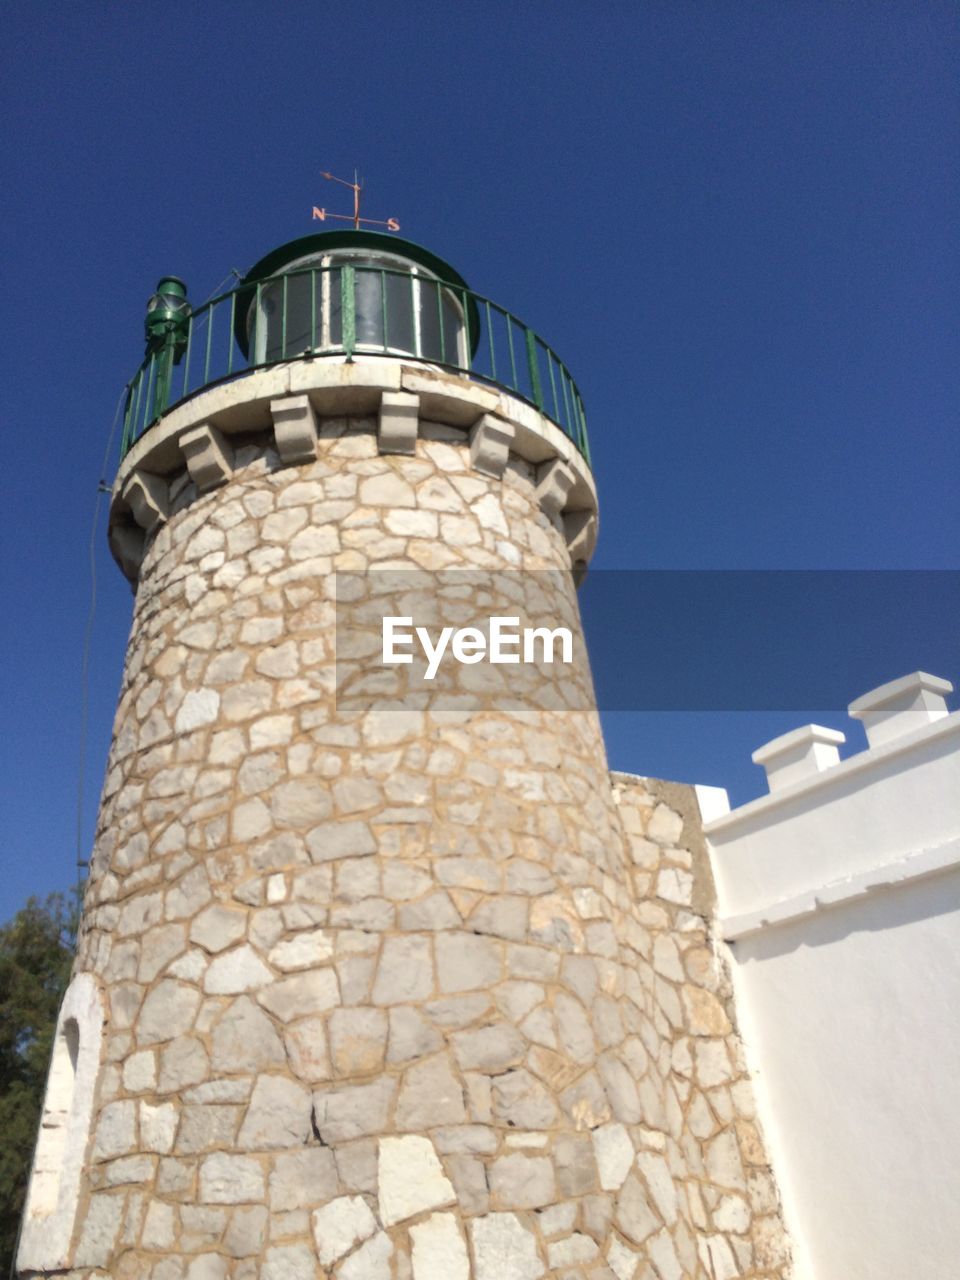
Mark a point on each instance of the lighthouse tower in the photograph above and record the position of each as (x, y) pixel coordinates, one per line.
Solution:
(377, 978)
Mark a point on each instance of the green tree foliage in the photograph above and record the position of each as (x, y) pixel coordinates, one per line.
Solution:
(36, 952)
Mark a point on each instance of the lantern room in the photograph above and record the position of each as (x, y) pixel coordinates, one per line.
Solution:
(359, 290)
(343, 295)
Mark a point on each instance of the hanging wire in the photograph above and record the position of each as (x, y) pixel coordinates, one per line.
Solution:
(102, 488)
(198, 321)
(232, 274)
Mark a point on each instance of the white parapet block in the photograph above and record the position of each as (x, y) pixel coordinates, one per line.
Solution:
(209, 457)
(490, 441)
(295, 428)
(901, 707)
(580, 529)
(554, 482)
(398, 422)
(712, 801)
(127, 545)
(800, 754)
(148, 497)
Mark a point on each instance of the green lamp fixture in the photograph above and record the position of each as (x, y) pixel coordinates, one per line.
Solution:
(165, 330)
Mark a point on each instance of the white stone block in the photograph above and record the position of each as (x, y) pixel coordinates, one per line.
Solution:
(558, 1219)
(276, 889)
(158, 1126)
(614, 1151)
(295, 428)
(199, 707)
(340, 1225)
(658, 1178)
(623, 1261)
(116, 1130)
(675, 885)
(370, 1262)
(554, 481)
(798, 755)
(572, 1250)
(526, 1182)
(158, 1226)
(389, 489)
(140, 1072)
(236, 971)
(430, 1095)
(721, 1258)
(580, 529)
(901, 707)
(439, 1250)
(504, 1249)
(353, 1112)
(447, 398)
(664, 1255)
(289, 1262)
(302, 1178)
(665, 826)
(340, 389)
(490, 441)
(278, 1116)
(465, 962)
(126, 544)
(713, 802)
(302, 951)
(410, 1179)
(218, 927)
(209, 456)
(148, 497)
(230, 1179)
(307, 993)
(398, 422)
(168, 1011)
(209, 1266)
(405, 972)
(100, 1229)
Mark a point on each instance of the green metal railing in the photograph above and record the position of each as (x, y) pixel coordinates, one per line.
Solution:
(349, 309)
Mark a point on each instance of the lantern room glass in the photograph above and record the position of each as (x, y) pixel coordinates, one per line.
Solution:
(400, 309)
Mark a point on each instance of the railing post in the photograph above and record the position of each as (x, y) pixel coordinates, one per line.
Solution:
(163, 374)
(283, 317)
(209, 351)
(125, 440)
(584, 441)
(255, 340)
(230, 334)
(348, 308)
(313, 310)
(136, 422)
(534, 367)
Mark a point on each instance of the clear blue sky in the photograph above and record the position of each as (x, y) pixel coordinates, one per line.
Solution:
(735, 221)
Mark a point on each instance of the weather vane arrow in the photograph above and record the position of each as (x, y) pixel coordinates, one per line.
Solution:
(356, 186)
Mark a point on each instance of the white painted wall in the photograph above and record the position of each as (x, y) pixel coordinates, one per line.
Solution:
(54, 1186)
(839, 897)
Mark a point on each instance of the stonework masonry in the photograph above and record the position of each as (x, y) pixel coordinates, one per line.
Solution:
(391, 993)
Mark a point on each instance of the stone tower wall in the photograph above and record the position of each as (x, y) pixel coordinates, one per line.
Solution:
(391, 994)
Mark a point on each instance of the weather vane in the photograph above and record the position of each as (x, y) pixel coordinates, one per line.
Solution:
(356, 186)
